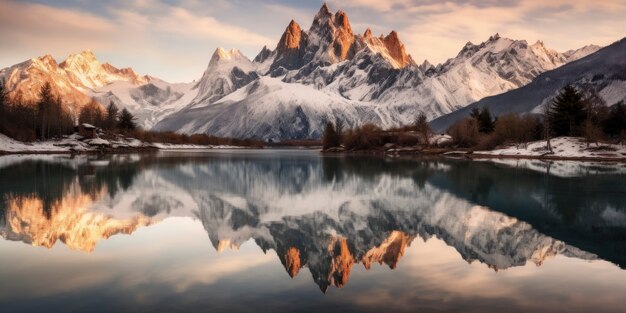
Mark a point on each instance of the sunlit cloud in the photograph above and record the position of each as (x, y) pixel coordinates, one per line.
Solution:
(174, 39)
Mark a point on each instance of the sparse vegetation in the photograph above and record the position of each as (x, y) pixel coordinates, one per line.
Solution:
(571, 113)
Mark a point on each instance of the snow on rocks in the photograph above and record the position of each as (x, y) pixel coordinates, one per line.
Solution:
(562, 147)
(77, 144)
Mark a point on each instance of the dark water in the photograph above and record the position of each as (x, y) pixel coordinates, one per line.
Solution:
(290, 231)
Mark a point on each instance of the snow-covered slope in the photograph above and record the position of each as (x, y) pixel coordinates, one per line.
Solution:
(273, 110)
(149, 102)
(603, 71)
(227, 72)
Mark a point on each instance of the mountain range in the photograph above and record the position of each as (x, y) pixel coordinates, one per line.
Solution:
(325, 73)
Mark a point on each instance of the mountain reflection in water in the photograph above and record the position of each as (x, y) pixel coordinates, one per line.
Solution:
(327, 214)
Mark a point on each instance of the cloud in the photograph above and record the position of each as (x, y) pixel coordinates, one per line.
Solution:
(173, 39)
(26, 27)
(151, 36)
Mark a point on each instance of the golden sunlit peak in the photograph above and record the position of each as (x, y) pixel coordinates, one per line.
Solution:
(69, 222)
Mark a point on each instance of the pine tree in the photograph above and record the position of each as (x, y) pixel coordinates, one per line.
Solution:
(44, 104)
(330, 138)
(111, 117)
(126, 121)
(567, 112)
(483, 119)
(486, 124)
(616, 121)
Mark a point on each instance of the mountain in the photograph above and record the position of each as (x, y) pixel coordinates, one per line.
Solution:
(81, 77)
(329, 73)
(601, 72)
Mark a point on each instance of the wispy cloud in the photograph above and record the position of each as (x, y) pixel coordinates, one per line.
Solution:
(173, 39)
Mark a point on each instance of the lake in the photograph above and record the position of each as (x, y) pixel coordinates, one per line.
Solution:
(291, 230)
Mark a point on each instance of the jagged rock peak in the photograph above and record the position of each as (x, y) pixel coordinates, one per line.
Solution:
(397, 50)
(426, 65)
(539, 43)
(324, 11)
(47, 60)
(341, 20)
(291, 38)
(85, 57)
(322, 17)
(221, 54)
(263, 55)
(368, 33)
(494, 37)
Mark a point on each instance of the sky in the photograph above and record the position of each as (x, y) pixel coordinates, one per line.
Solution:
(174, 39)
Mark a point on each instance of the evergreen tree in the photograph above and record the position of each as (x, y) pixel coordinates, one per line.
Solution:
(483, 119)
(126, 121)
(616, 121)
(330, 138)
(111, 116)
(486, 124)
(567, 112)
(44, 105)
(475, 114)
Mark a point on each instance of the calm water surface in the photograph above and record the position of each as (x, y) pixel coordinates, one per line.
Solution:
(281, 231)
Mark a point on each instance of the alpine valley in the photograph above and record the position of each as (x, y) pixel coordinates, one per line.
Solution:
(324, 73)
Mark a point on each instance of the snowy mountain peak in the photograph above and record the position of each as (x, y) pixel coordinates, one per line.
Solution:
(494, 37)
(426, 66)
(45, 61)
(85, 57)
(86, 72)
(263, 55)
(322, 16)
(221, 55)
(575, 54)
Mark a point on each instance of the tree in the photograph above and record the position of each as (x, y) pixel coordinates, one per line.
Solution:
(3, 100)
(591, 132)
(423, 128)
(330, 138)
(126, 121)
(465, 132)
(567, 112)
(92, 114)
(483, 120)
(615, 124)
(44, 104)
(111, 116)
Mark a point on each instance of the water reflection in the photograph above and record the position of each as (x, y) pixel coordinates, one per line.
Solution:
(323, 214)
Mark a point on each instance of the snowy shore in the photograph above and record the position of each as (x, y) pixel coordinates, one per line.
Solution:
(563, 148)
(76, 144)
